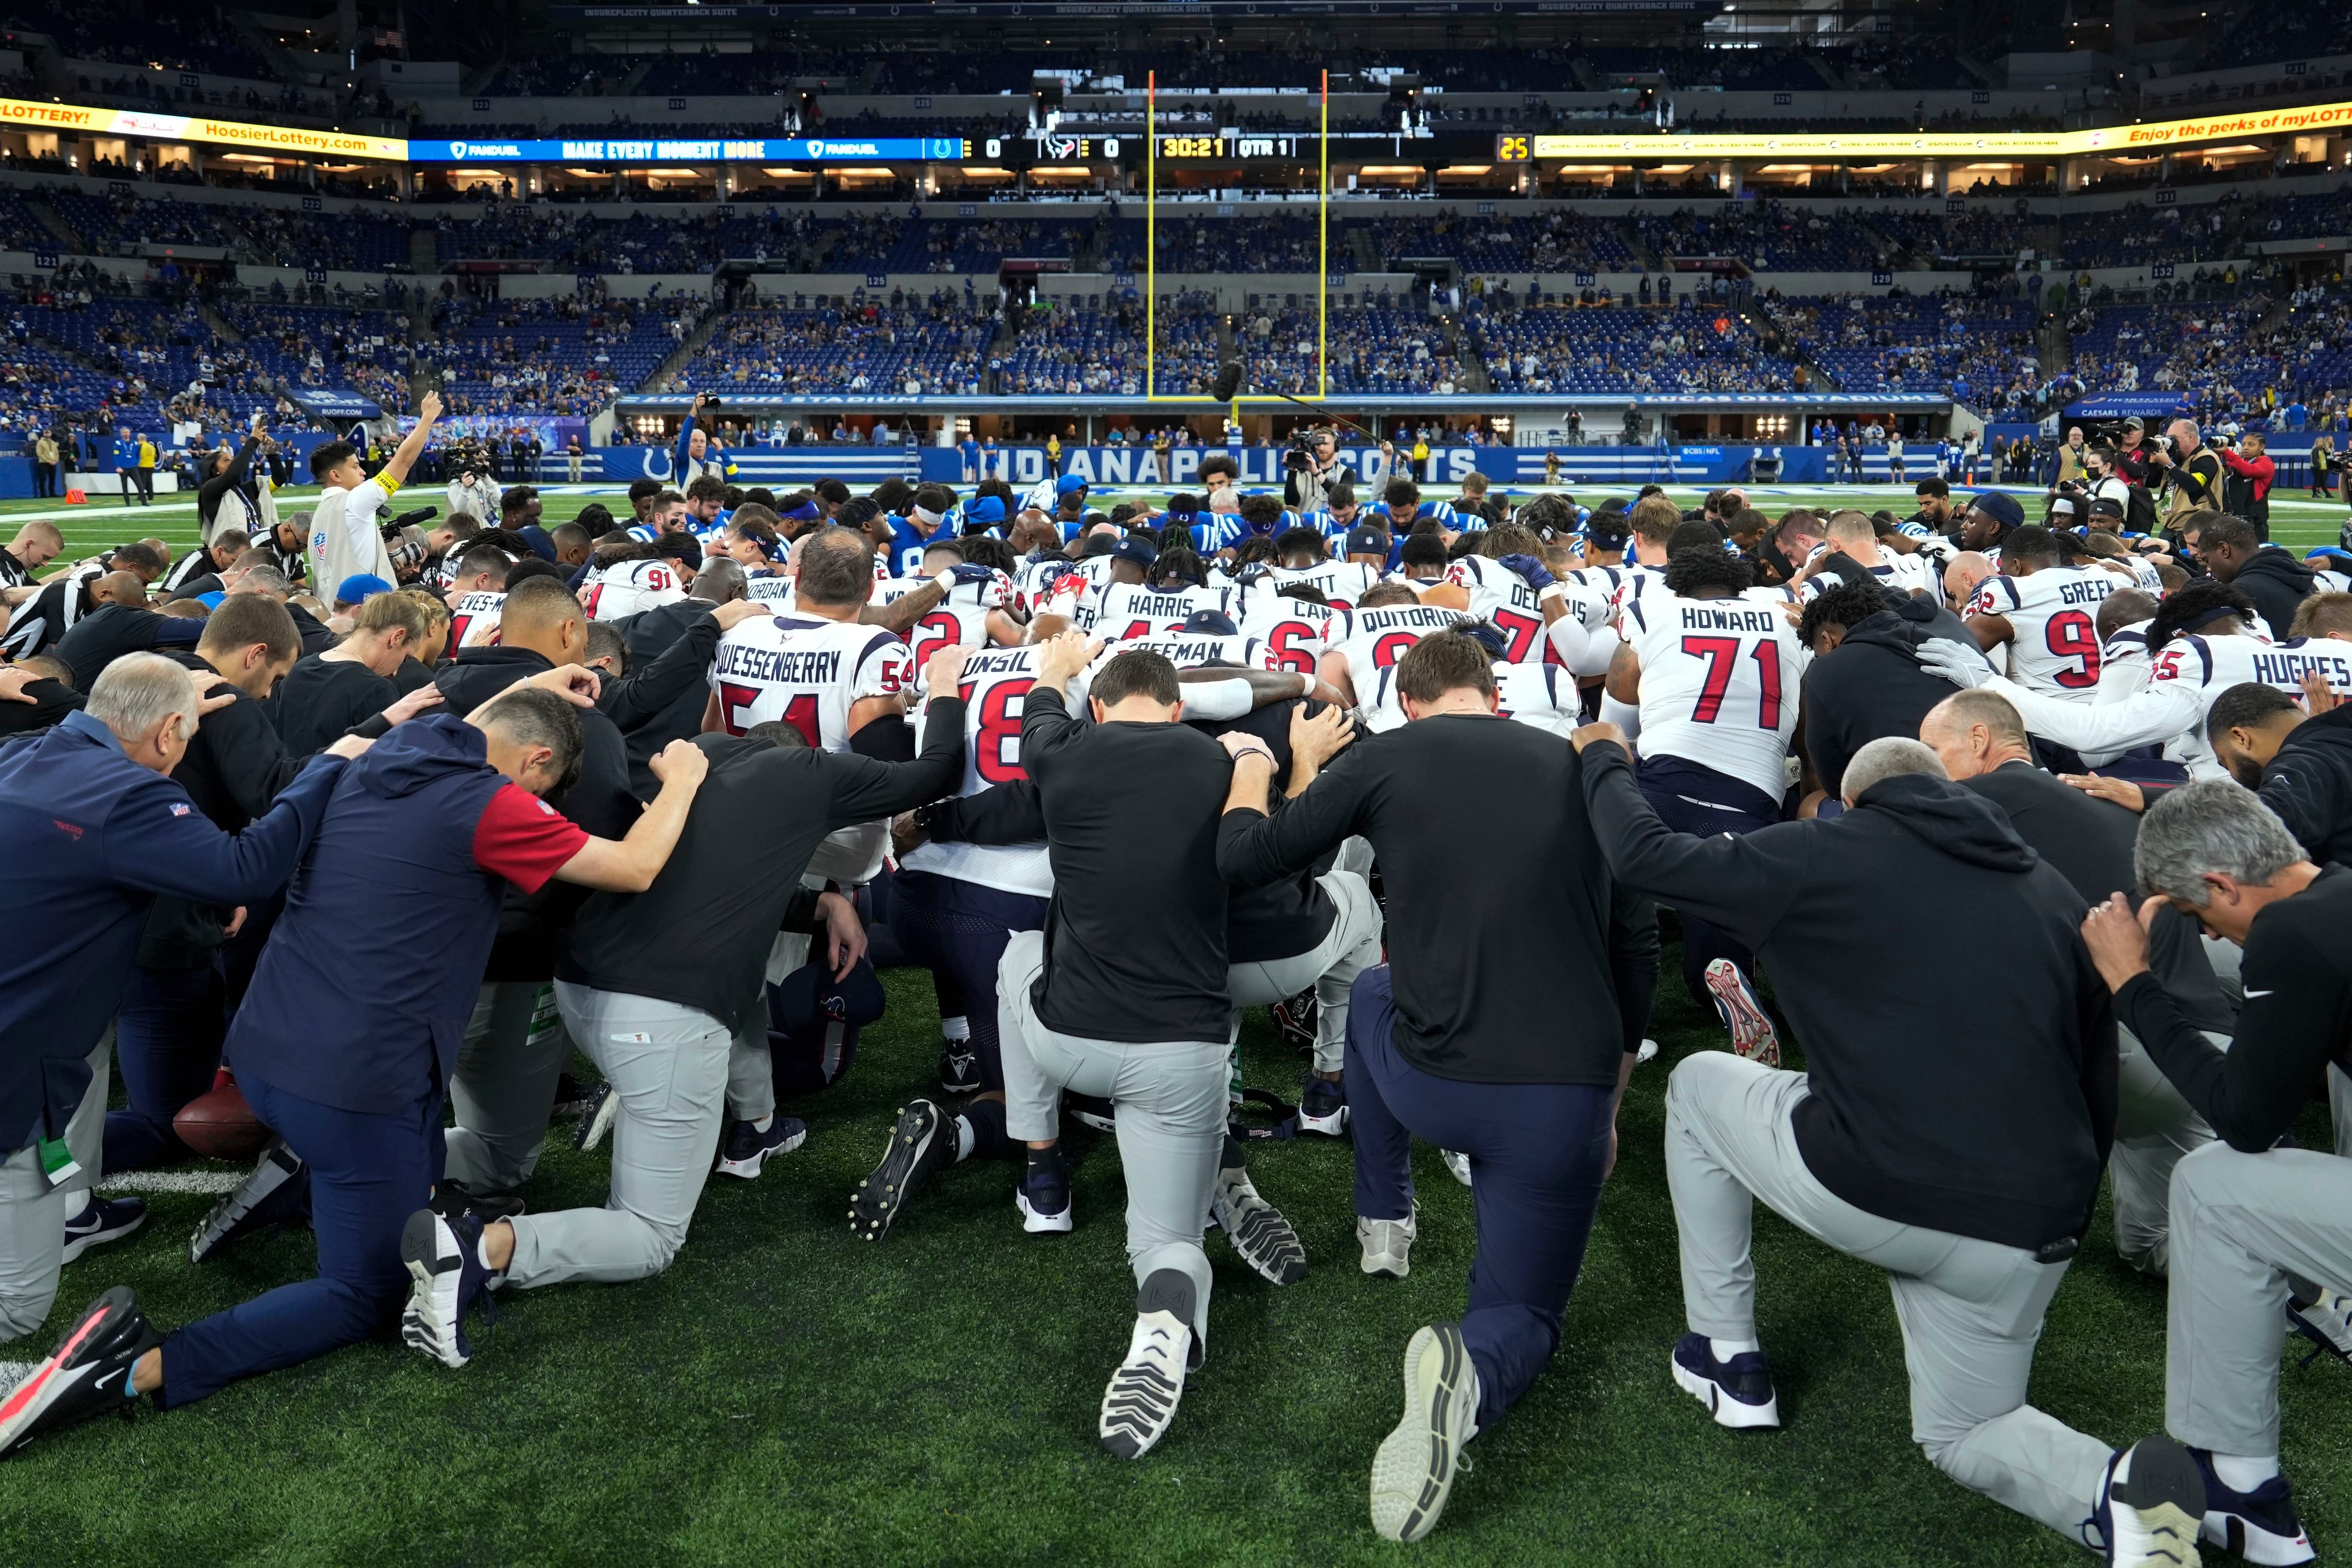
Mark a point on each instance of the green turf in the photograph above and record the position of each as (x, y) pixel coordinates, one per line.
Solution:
(785, 1395)
(104, 520)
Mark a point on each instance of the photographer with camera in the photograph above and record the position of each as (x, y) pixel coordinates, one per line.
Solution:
(2247, 491)
(1313, 465)
(2191, 470)
(473, 491)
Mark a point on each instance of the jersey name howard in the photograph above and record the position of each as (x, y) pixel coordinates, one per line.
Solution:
(780, 666)
(1708, 618)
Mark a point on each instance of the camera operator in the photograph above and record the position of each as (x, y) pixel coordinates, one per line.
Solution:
(2191, 470)
(1315, 467)
(473, 491)
(2133, 450)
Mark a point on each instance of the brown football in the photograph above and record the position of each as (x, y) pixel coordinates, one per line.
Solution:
(220, 1125)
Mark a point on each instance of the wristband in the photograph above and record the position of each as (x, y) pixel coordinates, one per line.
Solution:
(944, 581)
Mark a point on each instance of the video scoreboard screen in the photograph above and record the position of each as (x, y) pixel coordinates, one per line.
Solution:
(1226, 148)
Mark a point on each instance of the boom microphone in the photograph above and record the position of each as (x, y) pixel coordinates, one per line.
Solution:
(422, 515)
(1228, 381)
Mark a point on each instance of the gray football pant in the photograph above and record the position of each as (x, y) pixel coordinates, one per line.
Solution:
(1171, 1121)
(1351, 946)
(33, 1214)
(668, 1064)
(1971, 1310)
(2241, 1223)
(2155, 1127)
(750, 1066)
(504, 1087)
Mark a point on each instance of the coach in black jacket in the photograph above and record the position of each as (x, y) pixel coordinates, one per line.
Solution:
(1954, 1140)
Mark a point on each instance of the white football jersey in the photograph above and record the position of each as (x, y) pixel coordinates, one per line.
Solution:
(1543, 695)
(995, 687)
(1295, 632)
(2052, 617)
(1381, 637)
(1190, 650)
(2212, 665)
(1634, 580)
(628, 587)
(1912, 573)
(1718, 684)
(808, 672)
(775, 592)
(1126, 610)
(1501, 596)
(1341, 582)
(474, 621)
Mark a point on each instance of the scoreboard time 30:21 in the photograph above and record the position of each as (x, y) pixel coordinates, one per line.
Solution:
(1229, 147)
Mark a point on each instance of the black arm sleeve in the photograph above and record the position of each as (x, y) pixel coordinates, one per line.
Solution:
(2294, 1018)
(1009, 812)
(254, 763)
(886, 741)
(1634, 958)
(864, 789)
(801, 915)
(209, 493)
(1256, 851)
(644, 694)
(2309, 801)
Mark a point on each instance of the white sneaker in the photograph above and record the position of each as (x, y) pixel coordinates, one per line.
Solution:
(1387, 1245)
(1458, 1164)
(1139, 1404)
(1413, 1471)
(1257, 1230)
(2151, 1504)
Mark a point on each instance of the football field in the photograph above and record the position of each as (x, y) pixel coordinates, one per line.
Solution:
(104, 520)
(787, 1395)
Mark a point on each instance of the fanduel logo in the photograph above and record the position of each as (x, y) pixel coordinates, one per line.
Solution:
(457, 148)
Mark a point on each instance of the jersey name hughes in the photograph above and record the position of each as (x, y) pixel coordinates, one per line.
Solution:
(2285, 671)
(1707, 618)
(781, 666)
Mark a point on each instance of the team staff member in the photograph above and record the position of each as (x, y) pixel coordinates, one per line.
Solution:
(91, 829)
(2300, 763)
(1501, 1027)
(1965, 1166)
(347, 1037)
(658, 984)
(345, 539)
(2255, 1229)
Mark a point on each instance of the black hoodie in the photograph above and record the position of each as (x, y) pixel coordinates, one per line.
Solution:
(2278, 584)
(1984, 1111)
(1871, 686)
(2309, 785)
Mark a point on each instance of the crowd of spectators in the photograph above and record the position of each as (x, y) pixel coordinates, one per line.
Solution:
(1689, 347)
(567, 355)
(900, 346)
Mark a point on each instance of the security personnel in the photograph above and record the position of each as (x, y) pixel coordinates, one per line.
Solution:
(91, 829)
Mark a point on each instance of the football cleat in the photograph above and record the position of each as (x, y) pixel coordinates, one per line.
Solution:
(1752, 1035)
(923, 1140)
(959, 1067)
(1387, 1245)
(1738, 1393)
(596, 1118)
(1457, 1164)
(573, 1099)
(1414, 1471)
(103, 1220)
(748, 1148)
(1296, 1016)
(2150, 1502)
(1139, 1403)
(443, 1258)
(1323, 1108)
(2324, 1318)
(2260, 1525)
(1043, 1199)
(1256, 1228)
(276, 1194)
(88, 1375)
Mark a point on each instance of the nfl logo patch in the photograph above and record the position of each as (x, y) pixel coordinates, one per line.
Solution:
(179, 808)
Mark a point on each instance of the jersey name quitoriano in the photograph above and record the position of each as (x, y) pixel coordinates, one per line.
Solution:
(1295, 632)
(1340, 582)
(1126, 610)
(808, 672)
(2054, 622)
(1381, 637)
(474, 621)
(1501, 596)
(632, 588)
(1718, 684)
(1190, 650)
(995, 687)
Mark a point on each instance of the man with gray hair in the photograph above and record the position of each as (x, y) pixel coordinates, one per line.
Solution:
(1965, 1163)
(92, 828)
(2261, 1236)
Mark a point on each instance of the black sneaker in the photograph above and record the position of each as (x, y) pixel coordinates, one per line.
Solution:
(596, 1118)
(1257, 1230)
(921, 1141)
(959, 1067)
(747, 1148)
(2260, 1526)
(1139, 1403)
(1323, 1108)
(1738, 1393)
(88, 1375)
(572, 1097)
(104, 1220)
(1296, 1016)
(443, 1254)
(452, 1197)
(278, 1194)
(1043, 1199)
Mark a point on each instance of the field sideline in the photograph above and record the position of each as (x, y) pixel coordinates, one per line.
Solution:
(104, 522)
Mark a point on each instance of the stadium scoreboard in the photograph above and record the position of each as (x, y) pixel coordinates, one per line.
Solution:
(1225, 148)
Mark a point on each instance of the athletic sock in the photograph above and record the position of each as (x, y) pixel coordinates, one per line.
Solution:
(2244, 1472)
(957, 1030)
(979, 1132)
(1045, 1162)
(1723, 1350)
(764, 1122)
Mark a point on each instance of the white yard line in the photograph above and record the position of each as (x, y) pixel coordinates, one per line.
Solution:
(171, 1181)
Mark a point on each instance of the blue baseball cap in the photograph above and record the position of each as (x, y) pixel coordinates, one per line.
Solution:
(1135, 550)
(359, 587)
(986, 509)
(2001, 506)
(1067, 483)
(1209, 623)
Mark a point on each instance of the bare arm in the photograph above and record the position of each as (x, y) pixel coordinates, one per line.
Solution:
(396, 467)
(905, 610)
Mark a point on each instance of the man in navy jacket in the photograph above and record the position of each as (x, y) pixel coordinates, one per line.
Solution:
(91, 829)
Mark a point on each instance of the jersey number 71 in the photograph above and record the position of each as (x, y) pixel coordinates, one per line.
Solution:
(1722, 654)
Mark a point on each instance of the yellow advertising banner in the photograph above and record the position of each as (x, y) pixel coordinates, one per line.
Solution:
(77, 118)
